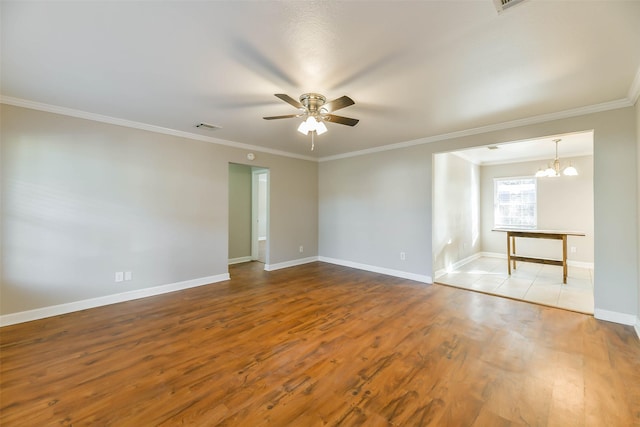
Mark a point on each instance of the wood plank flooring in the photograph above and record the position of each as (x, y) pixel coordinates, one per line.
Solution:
(318, 345)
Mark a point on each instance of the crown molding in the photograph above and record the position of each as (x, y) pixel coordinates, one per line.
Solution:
(590, 109)
(18, 102)
(596, 108)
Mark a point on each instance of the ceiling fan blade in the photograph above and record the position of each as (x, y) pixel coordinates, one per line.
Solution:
(336, 104)
(288, 116)
(342, 120)
(290, 100)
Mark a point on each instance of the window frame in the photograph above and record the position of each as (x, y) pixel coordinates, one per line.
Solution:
(496, 203)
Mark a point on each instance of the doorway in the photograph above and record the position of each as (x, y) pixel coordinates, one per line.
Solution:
(259, 214)
(469, 248)
(248, 214)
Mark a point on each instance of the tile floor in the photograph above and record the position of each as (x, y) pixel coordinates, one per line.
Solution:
(538, 283)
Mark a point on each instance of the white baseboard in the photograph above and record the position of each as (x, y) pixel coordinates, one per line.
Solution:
(580, 264)
(614, 316)
(381, 270)
(493, 255)
(240, 260)
(456, 265)
(292, 263)
(56, 310)
(637, 327)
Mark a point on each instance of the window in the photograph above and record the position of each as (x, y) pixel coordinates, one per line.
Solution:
(514, 204)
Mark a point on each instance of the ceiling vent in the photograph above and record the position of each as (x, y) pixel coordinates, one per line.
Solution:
(208, 126)
(502, 5)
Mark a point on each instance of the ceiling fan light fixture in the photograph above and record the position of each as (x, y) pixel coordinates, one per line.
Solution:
(314, 107)
(312, 125)
(320, 128)
(303, 128)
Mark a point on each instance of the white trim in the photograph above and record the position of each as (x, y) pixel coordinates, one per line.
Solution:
(456, 265)
(240, 260)
(493, 255)
(56, 310)
(143, 126)
(292, 263)
(614, 316)
(634, 90)
(438, 273)
(580, 264)
(256, 173)
(590, 109)
(381, 270)
(596, 108)
(637, 327)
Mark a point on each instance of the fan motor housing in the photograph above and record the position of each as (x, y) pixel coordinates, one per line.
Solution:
(312, 101)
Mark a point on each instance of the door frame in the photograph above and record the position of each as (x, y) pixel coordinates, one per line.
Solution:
(255, 176)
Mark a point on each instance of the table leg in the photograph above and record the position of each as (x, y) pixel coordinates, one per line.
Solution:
(564, 258)
(509, 253)
(513, 248)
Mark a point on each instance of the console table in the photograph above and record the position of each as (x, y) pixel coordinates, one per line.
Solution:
(537, 234)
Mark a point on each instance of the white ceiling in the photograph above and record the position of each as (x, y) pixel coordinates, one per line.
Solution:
(416, 69)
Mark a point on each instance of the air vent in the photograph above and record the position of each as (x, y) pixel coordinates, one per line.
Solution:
(502, 5)
(208, 126)
(492, 147)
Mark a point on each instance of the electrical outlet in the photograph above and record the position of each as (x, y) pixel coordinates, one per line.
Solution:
(573, 249)
(128, 275)
(301, 249)
(119, 276)
(403, 256)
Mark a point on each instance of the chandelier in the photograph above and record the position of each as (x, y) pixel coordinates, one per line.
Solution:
(553, 169)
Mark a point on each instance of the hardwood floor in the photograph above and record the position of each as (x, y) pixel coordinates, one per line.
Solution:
(320, 344)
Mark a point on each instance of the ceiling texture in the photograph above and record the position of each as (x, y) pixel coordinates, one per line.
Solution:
(416, 69)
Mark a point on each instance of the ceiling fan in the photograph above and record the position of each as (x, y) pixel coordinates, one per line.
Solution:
(315, 108)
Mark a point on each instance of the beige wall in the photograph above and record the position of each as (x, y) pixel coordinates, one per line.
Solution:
(82, 200)
(240, 178)
(456, 210)
(373, 205)
(638, 218)
(563, 203)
